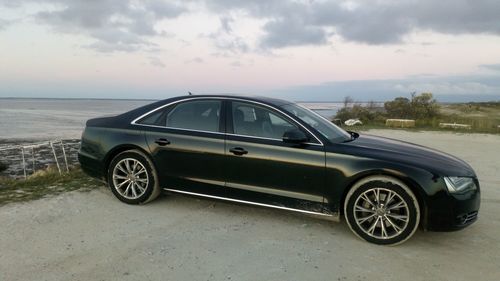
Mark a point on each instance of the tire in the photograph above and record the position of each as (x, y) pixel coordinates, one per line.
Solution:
(374, 219)
(132, 178)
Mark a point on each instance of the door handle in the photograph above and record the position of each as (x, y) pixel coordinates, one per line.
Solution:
(162, 142)
(238, 151)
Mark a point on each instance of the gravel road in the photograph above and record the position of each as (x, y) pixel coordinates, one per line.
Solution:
(92, 236)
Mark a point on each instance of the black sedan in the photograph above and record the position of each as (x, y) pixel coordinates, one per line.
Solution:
(275, 153)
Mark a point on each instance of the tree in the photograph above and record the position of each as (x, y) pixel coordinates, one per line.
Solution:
(424, 106)
(421, 106)
(398, 108)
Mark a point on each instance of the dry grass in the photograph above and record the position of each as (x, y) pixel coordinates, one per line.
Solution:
(44, 183)
(482, 118)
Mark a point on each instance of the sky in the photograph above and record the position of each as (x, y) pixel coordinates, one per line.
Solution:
(304, 50)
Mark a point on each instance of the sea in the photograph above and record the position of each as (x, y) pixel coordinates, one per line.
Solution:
(45, 119)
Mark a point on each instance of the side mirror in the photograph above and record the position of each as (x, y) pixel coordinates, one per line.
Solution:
(354, 135)
(295, 136)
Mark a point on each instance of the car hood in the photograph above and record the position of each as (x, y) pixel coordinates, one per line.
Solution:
(398, 151)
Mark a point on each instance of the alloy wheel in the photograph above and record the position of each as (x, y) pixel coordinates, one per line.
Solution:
(130, 178)
(381, 213)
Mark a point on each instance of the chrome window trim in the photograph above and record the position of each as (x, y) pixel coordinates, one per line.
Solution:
(219, 133)
(181, 129)
(264, 138)
(224, 98)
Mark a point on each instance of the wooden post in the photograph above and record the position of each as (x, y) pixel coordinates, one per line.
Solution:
(65, 159)
(24, 162)
(55, 156)
(33, 156)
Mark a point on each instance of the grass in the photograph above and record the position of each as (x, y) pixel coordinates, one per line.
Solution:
(483, 118)
(45, 183)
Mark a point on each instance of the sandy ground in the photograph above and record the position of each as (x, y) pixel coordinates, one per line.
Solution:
(92, 236)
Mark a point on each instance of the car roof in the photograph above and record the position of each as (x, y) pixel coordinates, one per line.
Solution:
(132, 114)
(267, 100)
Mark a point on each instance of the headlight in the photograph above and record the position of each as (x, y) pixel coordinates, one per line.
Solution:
(459, 184)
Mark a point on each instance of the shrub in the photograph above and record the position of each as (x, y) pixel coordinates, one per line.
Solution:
(422, 106)
(398, 108)
(366, 113)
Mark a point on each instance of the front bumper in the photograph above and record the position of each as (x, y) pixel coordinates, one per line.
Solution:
(449, 212)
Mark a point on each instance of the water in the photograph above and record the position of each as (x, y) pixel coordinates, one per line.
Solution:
(65, 118)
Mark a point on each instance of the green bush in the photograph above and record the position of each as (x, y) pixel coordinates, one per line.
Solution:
(398, 108)
(422, 106)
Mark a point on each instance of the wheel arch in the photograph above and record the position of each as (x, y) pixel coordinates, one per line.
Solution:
(119, 149)
(410, 183)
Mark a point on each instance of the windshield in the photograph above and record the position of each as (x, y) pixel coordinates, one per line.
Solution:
(322, 125)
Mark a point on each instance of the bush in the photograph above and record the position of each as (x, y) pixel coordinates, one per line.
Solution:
(357, 111)
(422, 106)
(398, 108)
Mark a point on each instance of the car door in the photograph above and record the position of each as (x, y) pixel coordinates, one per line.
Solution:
(258, 161)
(186, 140)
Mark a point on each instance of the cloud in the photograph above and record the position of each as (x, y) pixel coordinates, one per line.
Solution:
(226, 41)
(155, 61)
(11, 3)
(292, 32)
(195, 60)
(4, 24)
(128, 25)
(447, 88)
(115, 25)
(236, 64)
(369, 22)
(495, 67)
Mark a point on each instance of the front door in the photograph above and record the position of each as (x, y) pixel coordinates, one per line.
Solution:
(258, 161)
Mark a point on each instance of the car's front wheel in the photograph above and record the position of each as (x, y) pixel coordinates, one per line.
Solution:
(382, 210)
(132, 177)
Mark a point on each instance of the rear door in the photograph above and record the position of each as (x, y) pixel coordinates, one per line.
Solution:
(186, 141)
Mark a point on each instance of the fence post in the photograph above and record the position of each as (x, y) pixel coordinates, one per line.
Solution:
(65, 159)
(55, 156)
(33, 156)
(24, 163)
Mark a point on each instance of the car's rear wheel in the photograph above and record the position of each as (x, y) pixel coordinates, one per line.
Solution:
(132, 177)
(382, 210)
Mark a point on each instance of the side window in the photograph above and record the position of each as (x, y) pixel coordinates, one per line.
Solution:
(258, 121)
(153, 118)
(202, 115)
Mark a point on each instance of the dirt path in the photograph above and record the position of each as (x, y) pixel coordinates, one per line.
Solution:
(92, 236)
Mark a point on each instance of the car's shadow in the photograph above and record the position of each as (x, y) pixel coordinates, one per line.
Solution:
(436, 240)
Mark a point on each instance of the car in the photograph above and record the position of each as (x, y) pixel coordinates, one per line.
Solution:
(275, 153)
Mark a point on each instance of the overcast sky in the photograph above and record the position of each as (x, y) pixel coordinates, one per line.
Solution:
(308, 50)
